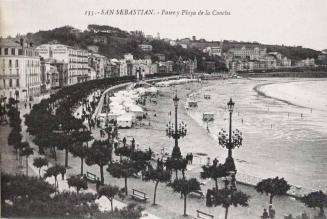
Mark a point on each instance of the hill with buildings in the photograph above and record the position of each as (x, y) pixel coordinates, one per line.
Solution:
(115, 43)
(294, 53)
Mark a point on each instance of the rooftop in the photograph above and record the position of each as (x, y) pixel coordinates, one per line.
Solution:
(6, 42)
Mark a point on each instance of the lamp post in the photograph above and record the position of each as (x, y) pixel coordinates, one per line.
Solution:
(232, 139)
(176, 130)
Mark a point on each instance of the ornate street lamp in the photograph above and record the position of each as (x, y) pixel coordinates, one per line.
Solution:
(232, 139)
(176, 130)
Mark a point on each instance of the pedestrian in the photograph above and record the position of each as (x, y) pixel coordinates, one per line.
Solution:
(187, 157)
(265, 214)
(124, 141)
(25, 104)
(30, 105)
(191, 158)
(208, 161)
(215, 162)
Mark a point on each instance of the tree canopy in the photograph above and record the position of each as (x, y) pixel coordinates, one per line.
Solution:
(316, 199)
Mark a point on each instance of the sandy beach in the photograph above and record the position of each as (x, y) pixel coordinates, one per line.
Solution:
(252, 159)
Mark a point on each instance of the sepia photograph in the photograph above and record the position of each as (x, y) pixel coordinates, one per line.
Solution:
(171, 109)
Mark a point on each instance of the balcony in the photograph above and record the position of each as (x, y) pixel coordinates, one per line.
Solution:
(9, 76)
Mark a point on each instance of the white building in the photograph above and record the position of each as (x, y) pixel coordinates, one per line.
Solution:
(77, 60)
(213, 51)
(20, 75)
(98, 63)
(248, 53)
(145, 47)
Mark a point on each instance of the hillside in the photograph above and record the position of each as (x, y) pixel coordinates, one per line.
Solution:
(292, 52)
(117, 43)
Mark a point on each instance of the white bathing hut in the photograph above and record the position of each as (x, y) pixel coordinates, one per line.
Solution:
(208, 116)
(125, 121)
(191, 103)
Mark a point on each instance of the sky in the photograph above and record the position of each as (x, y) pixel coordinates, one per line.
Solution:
(288, 22)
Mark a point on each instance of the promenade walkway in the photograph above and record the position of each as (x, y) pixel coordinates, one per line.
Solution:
(169, 204)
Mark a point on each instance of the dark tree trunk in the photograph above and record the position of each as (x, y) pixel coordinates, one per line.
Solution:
(226, 213)
(82, 162)
(112, 206)
(26, 166)
(101, 174)
(176, 174)
(322, 212)
(66, 157)
(185, 196)
(216, 182)
(126, 192)
(155, 193)
(270, 203)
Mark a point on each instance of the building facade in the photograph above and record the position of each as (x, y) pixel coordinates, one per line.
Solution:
(76, 59)
(20, 75)
(145, 47)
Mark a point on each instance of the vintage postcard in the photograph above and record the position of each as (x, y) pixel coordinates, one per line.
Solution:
(163, 109)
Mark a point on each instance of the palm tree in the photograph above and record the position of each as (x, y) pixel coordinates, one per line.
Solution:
(273, 187)
(40, 162)
(27, 151)
(185, 187)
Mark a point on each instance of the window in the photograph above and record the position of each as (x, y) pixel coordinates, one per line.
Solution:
(10, 82)
(10, 64)
(17, 82)
(13, 51)
(0, 51)
(16, 63)
(6, 51)
(20, 52)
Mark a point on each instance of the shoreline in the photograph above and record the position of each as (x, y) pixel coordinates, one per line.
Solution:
(295, 93)
(263, 94)
(296, 191)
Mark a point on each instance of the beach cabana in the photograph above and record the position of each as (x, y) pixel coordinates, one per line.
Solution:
(125, 121)
(191, 103)
(208, 116)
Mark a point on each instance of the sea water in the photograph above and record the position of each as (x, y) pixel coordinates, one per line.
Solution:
(284, 126)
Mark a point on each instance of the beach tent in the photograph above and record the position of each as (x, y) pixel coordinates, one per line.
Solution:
(125, 121)
(137, 110)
